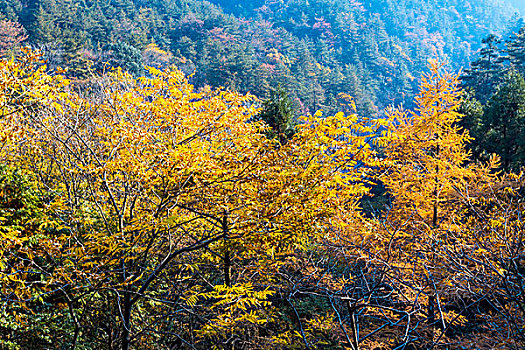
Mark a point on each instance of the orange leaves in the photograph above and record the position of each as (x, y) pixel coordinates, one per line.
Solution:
(144, 171)
(427, 148)
(175, 197)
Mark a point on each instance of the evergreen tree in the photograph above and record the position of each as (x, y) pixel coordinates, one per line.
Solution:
(121, 55)
(485, 73)
(516, 50)
(472, 111)
(77, 65)
(314, 39)
(9, 9)
(277, 112)
(43, 28)
(504, 122)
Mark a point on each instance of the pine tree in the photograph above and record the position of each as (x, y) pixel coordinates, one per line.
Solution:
(76, 64)
(504, 122)
(121, 55)
(516, 50)
(472, 111)
(485, 73)
(277, 112)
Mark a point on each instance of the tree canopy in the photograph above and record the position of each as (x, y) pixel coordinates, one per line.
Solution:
(143, 213)
(314, 49)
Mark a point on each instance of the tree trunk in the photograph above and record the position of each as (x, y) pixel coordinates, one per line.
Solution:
(431, 307)
(126, 321)
(227, 256)
(227, 268)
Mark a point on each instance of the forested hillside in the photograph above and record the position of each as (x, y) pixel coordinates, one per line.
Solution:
(494, 102)
(140, 213)
(373, 50)
(288, 175)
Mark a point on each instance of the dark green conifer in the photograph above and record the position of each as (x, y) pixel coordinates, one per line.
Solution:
(485, 73)
(504, 122)
(277, 112)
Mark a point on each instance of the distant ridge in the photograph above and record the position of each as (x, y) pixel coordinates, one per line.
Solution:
(373, 50)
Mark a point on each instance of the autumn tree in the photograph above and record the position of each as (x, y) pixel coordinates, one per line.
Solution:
(11, 35)
(30, 240)
(155, 57)
(173, 211)
(429, 167)
(144, 213)
(488, 266)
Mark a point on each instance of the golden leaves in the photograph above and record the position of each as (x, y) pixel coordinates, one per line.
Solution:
(147, 167)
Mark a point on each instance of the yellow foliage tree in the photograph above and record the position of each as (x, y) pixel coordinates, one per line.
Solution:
(144, 213)
(171, 204)
(428, 172)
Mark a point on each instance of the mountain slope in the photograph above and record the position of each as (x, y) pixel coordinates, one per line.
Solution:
(315, 49)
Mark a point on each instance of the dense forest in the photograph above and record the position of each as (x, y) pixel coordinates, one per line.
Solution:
(229, 175)
(315, 49)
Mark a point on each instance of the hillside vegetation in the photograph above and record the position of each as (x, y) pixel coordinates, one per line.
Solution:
(170, 180)
(143, 214)
(315, 49)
